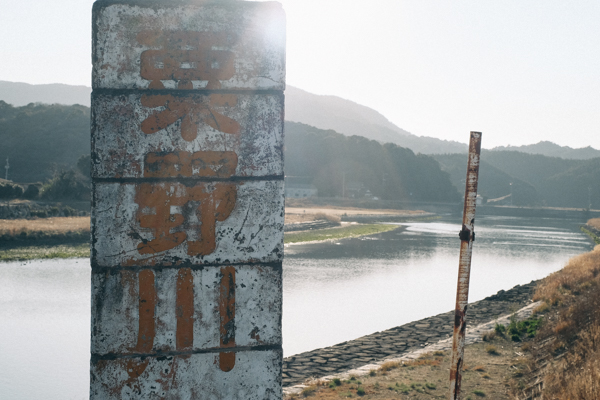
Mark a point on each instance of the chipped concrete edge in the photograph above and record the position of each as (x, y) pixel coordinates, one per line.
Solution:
(474, 335)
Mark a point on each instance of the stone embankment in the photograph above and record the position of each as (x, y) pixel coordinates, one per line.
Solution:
(400, 340)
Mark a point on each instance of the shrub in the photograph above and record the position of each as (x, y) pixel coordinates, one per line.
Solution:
(492, 350)
(327, 217)
(33, 191)
(66, 185)
(500, 329)
(9, 190)
(309, 390)
(388, 366)
(360, 391)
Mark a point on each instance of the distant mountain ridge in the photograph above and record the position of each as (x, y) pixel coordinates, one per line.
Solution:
(20, 94)
(550, 149)
(321, 111)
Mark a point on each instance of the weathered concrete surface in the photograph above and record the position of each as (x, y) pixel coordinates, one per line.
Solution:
(169, 223)
(129, 139)
(256, 376)
(187, 221)
(187, 313)
(198, 45)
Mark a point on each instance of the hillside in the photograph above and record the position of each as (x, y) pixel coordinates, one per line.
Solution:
(576, 187)
(39, 139)
(493, 182)
(536, 179)
(332, 161)
(531, 168)
(350, 118)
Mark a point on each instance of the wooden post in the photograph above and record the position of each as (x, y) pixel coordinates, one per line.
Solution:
(467, 236)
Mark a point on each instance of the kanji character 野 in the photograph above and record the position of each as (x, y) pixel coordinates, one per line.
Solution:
(172, 211)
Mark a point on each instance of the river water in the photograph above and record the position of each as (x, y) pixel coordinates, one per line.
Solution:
(333, 292)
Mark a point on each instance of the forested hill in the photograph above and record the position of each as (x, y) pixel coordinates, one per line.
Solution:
(41, 138)
(536, 180)
(330, 160)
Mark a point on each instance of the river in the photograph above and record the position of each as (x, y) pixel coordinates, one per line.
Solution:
(333, 292)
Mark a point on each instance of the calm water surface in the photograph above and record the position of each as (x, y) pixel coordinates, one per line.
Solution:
(333, 292)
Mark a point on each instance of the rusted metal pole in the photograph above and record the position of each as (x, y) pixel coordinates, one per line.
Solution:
(467, 236)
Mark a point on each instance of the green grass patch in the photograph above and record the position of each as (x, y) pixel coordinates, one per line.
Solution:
(338, 233)
(591, 234)
(44, 252)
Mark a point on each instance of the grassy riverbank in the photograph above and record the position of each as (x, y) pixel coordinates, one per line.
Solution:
(22, 253)
(594, 226)
(59, 237)
(348, 231)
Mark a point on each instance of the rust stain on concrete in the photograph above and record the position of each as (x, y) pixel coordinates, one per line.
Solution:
(147, 306)
(184, 312)
(227, 314)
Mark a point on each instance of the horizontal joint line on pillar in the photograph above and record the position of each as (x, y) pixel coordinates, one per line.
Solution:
(171, 4)
(191, 180)
(277, 266)
(215, 350)
(179, 92)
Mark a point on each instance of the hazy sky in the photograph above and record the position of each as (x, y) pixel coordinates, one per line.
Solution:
(520, 71)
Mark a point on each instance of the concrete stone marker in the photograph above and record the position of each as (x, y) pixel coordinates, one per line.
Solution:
(188, 200)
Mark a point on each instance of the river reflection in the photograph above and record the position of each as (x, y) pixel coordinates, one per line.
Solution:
(333, 292)
(338, 291)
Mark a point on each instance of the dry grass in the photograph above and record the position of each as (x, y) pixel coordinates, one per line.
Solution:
(573, 328)
(327, 217)
(594, 222)
(425, 378)
(49, 225)
(577, 375)
(388, 366)
(580, 273)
